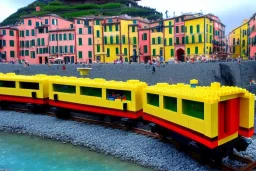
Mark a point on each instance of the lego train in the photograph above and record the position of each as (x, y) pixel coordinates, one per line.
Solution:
(211, 119)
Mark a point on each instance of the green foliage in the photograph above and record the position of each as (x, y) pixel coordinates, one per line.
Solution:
(111, 6)
(86, 6)
(116, 7)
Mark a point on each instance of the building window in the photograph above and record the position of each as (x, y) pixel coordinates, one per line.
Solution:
(29, 22)
(183, 40)
(12, 54)
(210, 29)
(108, 52)
(42, 41)
(154, 52)
(70, 36)
(117, 51)
(80, 42)
(89, 41)
(134, 40)
(46, 21)
(191, 29)
(80, 54)
(90, 54)
(97, 22)
(145, 48)
(26, 52)
(198, 28)
(125, 51)
(98, 48)
(196, 50)
(133, 29)
(153, 41)
(182, 29)
(4, 32)
(188, 51)
(105, 40)
(60, 37)
(117, 39)
(27, 32)
(89, 30)
(170, 41)
(200, 38)
(32, 32)
(12, 43)
(110, 28)
(11, 33)
(193, 39)
(177, 29)
(153, 99)
(80, 31)
(172, 52)
(98, 33)
(144, 36)
(177, 20)
(117, 28)
(65, 36)
(177, 40)
(123, 38)
(170, 103)
(170, 30)
(71, 49)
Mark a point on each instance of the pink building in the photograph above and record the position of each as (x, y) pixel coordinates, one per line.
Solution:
(34, 34)
(9, 44)
(179, 37)
(219, 34)
(252, 36)
(84, 39)
(144, 43)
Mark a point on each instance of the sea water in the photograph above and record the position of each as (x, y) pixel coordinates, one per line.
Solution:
(26, 153)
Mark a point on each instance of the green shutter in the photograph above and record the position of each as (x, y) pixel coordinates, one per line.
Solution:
(33, 32)
(12, 54)
(105, 40)
(170, 41)
(210, 29)
(117, 28)
(177, 40)
(38, 41)
(12, 43)
(193, 39)
(198, 28)
(89, 30)
(145, 47)
(177, 29)
(125, 51)
(80, 41)
(117, 50)
(170, 30)
(98, 48)
(111, 40)
(105, 28)
(182, 29)
(98, 33)
(191, 29)
(117, 39)
(159, 40)
(134, 40)
(90, 41)
(153, 41)
(133, 28)
(123, 38)
(65, 36)
(42, 41)
(90, 54)
(80, 31)
(110, 28)
(154, 52)
(188, 51)
(211, 39)
(196, 50)
(108, 52)
(60, 37)
(172, 52)
(183, 40)
(200, 38)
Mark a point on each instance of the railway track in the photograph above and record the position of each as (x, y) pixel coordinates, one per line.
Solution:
(250, 165)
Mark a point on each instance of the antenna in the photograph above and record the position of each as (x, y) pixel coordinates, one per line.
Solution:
(166, 13)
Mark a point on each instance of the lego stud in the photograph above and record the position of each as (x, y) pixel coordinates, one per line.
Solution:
(193, 83)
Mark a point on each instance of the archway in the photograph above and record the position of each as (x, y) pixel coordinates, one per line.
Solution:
(180, 53)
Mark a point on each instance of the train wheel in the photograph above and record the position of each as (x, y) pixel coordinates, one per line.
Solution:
(4, 105)
(62, 113)
(129, 124)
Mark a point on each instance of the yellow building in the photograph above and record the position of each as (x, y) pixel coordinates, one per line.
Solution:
(157, 42)
(199, 36)
(168, 39)
(98, 41)
(238, 39)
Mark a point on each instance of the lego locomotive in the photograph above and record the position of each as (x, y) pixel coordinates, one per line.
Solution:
(212, 120)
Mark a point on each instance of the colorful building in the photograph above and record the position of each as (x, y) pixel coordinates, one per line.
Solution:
(252, 36)
(106, 39)
(9, 46)
(238, 39)
(199, 35)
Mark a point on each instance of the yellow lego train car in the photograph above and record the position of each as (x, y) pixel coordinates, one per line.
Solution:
(23, 89)
(113, 98)
(216, 117)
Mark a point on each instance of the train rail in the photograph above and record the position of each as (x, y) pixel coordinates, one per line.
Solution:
(249, 163)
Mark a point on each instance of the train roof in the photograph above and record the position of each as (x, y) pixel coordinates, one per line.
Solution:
(209, 94)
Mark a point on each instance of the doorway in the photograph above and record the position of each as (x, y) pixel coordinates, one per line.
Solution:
(180, 55)
(40, 60)
(66, 59)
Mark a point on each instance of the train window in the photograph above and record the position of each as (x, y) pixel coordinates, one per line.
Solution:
(7, 84)
(170, 103)
(29, 85)
(89, 91)
(192, 108)
(64, 88)
(153, 99)
(119, 94)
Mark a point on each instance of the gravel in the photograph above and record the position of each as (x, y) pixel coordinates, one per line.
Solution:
(122, 144)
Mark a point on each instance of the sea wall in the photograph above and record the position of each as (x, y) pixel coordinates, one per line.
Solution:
(228, 73)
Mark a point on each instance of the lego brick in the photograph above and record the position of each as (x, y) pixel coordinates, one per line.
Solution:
(211, 129)
(227, 139)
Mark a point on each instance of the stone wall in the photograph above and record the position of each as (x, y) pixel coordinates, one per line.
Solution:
(227, 73)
